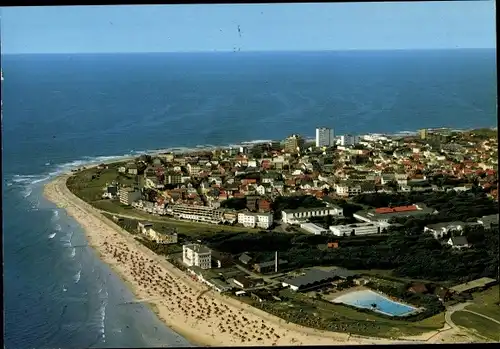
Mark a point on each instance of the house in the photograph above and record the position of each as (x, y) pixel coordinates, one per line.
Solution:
(439, 230)
(442, 293)
(243, 281)
(418, 288)
(111, 191)
(264, 205)
(142, 227)
(252, 202)
(333, 245)
(132, 168)
(245, 258)
(458, 242)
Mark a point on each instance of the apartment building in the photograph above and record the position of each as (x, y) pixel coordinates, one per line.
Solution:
(294, 143)
(196, 255)
(173, 178)
(193, 169)
(260, 220)
(348, 140)
(128, 195)
(198, 213)
(324, 137)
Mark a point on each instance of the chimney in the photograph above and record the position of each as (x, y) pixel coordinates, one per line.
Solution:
(276, 262)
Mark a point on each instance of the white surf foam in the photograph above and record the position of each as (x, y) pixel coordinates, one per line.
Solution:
(73, 253)
(27, 192)
(77, 276)
(55, 215)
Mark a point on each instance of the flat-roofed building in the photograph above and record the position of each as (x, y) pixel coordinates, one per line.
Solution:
(259, 220)
(439, 230)
(489, 221)
(315, 278)
(384, 214)
(302, 214)
(314, 229)
(198, 213)
(197, 255)
(324, 137)
(356, 229)
(129, 195)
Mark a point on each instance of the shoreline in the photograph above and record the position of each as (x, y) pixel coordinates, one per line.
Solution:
(161, 285)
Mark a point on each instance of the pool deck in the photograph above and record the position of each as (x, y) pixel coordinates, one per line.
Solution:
(333, 298)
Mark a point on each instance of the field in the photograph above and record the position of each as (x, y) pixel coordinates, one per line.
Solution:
(486, 303)
(477, 324)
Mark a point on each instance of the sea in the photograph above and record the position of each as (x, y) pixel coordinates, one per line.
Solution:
(65, 110)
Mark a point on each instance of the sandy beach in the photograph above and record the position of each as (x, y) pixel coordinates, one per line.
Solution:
(202, 317)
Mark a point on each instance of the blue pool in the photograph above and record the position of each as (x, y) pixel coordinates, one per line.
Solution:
(366, 299)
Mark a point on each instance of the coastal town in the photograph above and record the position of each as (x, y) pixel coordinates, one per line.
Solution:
(273, 208)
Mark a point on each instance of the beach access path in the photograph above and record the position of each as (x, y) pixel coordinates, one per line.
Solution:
(203, 317)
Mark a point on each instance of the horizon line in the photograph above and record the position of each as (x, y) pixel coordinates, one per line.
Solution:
(252, 51)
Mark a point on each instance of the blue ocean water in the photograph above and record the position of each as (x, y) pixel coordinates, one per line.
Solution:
(61, 110)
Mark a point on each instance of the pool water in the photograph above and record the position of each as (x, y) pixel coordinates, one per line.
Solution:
(366, 299)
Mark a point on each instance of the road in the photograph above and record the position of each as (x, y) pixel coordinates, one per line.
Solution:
(479, 314)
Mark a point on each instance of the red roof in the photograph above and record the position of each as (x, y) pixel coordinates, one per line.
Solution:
(384, 210)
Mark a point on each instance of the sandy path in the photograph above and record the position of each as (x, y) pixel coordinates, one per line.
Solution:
(210, 319)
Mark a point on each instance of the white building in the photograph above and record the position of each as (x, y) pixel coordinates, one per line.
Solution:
(324, 137)
(197, 255)
(346, 140)
(314, 229)
(129, 195)
(302, 214)
(260, 220)
(357, 229)
(347, 189)
(197, 213)
(439, 230)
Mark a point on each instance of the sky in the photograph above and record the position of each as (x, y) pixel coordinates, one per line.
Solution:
(263, 27)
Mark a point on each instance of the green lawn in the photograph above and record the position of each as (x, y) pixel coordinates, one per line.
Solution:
(183, 227)
(88, 189)
(486, 303)
(477, 324)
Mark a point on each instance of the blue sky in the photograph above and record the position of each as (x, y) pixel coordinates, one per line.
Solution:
(266, 27)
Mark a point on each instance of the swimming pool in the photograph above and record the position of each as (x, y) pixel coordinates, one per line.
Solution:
(366, 299)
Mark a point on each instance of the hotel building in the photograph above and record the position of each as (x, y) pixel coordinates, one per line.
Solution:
(196, 255)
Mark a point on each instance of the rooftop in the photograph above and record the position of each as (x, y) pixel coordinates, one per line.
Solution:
(316, 275)
(299, 210)
(472, 285)
(198, 248)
